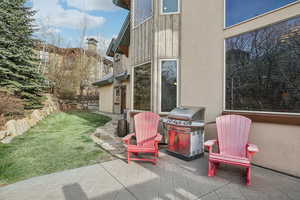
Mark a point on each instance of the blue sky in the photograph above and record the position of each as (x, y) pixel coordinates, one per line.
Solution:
(62, 22)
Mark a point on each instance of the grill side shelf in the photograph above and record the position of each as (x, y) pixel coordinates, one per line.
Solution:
(182, 123)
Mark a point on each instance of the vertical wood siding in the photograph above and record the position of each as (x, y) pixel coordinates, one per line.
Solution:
(167, 42)
(141, 37)
(155, 39)
(168, 37)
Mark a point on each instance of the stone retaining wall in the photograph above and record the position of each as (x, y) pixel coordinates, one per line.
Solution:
(14, 128)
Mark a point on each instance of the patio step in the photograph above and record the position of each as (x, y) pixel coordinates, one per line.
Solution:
(106, 137)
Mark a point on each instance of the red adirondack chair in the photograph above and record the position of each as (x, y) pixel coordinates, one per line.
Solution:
(147, 136)
(234, 149)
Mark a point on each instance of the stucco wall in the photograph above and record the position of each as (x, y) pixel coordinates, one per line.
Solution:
(202, 55)
(117, 107)
(202, 76)
(106, 98)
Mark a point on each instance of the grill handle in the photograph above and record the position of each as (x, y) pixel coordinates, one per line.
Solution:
(178, 129)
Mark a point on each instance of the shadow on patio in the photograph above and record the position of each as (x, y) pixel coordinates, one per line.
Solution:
(176, 179)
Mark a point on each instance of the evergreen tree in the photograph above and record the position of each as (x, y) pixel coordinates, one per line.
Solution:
(18, 62)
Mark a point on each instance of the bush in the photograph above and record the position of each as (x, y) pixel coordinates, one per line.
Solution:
(67, 94)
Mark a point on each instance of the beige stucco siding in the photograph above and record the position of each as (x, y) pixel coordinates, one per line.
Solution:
(106, 98)
(202, 55)
(202, 76)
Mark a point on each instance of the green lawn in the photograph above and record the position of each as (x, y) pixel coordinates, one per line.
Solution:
(59, 142)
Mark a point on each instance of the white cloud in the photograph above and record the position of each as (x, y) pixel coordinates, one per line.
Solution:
(105, 5)
(51, 12)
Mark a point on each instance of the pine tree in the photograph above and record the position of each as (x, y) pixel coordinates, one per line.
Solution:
(18, 62)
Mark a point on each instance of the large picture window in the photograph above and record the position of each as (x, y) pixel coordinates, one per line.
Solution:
(240, 10)
(168, 85)
(263, 69)
(142, 10)
(142, 87)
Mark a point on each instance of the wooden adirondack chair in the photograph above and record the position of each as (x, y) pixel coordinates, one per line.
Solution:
(147, 137)
(234, 149)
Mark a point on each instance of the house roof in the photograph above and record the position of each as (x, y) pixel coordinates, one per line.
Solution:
(122, 76)
(123, 39)
(106, 80)
(123, 3)
(121, 43)
(110, 51)
(41, 46)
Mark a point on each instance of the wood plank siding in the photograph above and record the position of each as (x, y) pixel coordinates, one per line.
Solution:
(155, 39)
(141, 43)
(167, 44)
(168, 36)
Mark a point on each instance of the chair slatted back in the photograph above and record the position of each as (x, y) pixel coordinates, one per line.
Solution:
(146, 127)
(233, 134)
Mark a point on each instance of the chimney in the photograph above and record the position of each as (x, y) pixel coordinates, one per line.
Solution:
(92, 44)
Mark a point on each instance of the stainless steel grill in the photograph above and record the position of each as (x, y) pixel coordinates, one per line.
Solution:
(185, 128)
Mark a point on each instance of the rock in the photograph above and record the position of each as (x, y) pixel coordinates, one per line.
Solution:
(22, 126)
(3, 134)
(7, 139)
(36, 115)
(11, 128)
(31, 122)
(17, 127)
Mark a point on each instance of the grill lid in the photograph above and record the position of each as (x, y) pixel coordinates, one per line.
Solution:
(187, 113)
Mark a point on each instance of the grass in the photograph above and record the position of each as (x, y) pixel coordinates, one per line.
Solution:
(59, 142)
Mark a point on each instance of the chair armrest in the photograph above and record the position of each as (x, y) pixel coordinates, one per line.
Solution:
(252, 148)
(127, 138)
(209, 144)
(158, 137)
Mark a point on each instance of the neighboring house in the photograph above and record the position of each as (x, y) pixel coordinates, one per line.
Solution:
(226, 56)
(83, 66)
(114, 88)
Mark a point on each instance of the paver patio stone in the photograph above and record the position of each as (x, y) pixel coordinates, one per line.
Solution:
(170, 179)
(86, 183)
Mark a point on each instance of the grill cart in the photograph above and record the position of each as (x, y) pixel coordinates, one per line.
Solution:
(185, 128)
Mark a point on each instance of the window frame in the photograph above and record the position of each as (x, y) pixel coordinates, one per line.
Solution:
(253, 112)
(169, 13)
(133, 14)
(132, 83)
(117, 97)
(252, 18)
(160, 81)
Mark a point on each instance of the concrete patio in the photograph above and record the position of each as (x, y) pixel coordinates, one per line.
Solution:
(170, 179)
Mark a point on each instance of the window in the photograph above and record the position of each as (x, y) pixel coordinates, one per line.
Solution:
(142, 87)
(142, 11)
(170, 6)
(263, 69)
(168, 85)
(117, 95)
(238, 11)
(117, 91)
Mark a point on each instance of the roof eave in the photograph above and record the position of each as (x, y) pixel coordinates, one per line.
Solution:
(122, 3)
(123, 40)
(109, 51)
